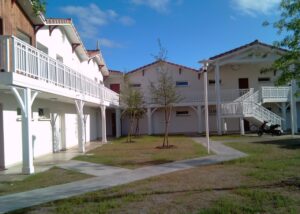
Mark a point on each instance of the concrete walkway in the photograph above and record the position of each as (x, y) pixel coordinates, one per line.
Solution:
(110, 177)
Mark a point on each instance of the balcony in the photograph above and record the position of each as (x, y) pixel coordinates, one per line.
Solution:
(196, 97)
(22, 65)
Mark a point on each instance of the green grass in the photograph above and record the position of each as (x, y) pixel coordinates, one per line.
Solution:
(267, 181)
(252, 201)
(143, 152)
(53, 176)
(271, 160)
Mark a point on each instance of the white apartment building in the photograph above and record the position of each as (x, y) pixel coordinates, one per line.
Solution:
(240, 96)
(52, 95)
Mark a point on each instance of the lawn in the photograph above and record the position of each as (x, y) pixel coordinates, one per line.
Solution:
(143, 152)
(265, 182)
(53, 176)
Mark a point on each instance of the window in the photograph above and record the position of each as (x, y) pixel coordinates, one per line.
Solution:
(182, 113)
(143, 72)
(59, 58)
(212, 110)
(199, 76)
(44, 113)
(42, 48)
(212, 82)
(115, 88)
(182, 83)
(19, 112)
(180, 70)
(135, 85)
(264, 79)
(24, 37)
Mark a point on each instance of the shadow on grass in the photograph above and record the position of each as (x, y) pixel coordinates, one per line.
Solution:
(292, 182)
(285, 144)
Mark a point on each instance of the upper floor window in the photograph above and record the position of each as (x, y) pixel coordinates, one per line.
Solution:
(179, 71)
(59, 58)
(115, 87)
(42, 48)
(182, 83)
(135, 85)
(264, 79)
(24, 37)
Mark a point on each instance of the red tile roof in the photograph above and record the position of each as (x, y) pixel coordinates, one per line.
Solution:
(170, 63)
(255, 42)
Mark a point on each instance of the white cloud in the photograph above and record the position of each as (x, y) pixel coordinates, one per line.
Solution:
(127, 21)
(91, 18)
(104, 42)
(158, 5)
(254, 7)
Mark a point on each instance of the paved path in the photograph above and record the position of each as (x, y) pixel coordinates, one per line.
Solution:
(111, 176)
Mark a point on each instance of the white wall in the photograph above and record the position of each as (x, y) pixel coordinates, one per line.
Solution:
(59, 43)
(41, 129)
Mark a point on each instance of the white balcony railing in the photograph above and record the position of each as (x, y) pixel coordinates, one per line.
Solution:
(269, 92)
(20, 57)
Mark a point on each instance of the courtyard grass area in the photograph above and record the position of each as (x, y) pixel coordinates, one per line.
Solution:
(267, 181)
(53, 176)
(143, 152)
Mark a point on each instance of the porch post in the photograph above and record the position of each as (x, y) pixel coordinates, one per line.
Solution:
(218, 98)
(25, 103)
(199, 112)
(118, 122)
(53, 118)
(224, 126)
(103, 125)
(294, 120)
(283, 115)
(81, 131)
(242, 128)
(149, 116)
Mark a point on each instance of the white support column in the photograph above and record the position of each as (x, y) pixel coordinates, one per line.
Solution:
(55, 146)
(294, 121)
(283, 115)
(206, 107)
(25, 103)
(103, 125)
(224, 126)
(218, 98)
(149, 116)
(242, 128)
(81, 129)
(118, 122)
(199, 113)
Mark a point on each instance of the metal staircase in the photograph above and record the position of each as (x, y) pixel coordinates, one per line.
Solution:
(249, 105)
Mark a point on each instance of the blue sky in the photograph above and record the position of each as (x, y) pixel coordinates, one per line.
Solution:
(190, 30)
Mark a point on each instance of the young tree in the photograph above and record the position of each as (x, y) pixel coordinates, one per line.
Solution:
(133, 102)
(38, 6)
(163, 92)
(289, 26)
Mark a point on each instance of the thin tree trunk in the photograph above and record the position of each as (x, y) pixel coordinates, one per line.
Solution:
(168, 119)
(137, 128)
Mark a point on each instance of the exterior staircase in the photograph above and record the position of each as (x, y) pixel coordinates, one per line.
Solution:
(249, 105)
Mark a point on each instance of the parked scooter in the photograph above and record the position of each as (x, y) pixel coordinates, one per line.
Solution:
(273, 130)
